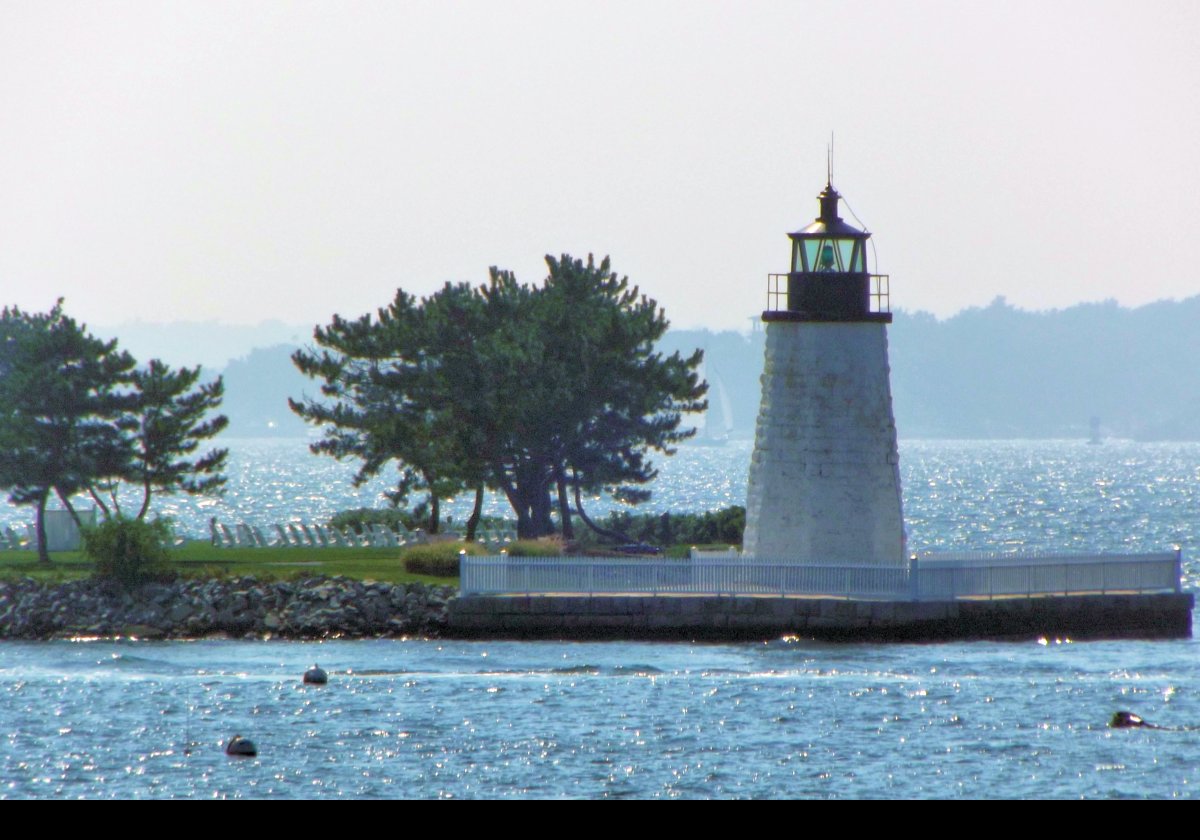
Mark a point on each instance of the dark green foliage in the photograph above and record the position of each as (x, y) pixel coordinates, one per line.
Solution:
(384, 394)
(722, 527)
(437, 559)
(621, 397)
(63, 392)
(168, 422)
(79, 417)
(534, 391)
(534, 548)
(129, 551)
(361, 518)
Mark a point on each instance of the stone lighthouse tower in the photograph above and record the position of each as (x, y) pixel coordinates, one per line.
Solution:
(825, 478)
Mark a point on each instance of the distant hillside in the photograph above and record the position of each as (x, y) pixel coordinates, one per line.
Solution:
(207, 343)
(257, 388)
(998, 371)
(732, 366)
(992, 371)
(1002, 372)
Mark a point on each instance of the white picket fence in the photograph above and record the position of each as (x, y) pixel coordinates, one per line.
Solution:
(927, 577)
(948, 576)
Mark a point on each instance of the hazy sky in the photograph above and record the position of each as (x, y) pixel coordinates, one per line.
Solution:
(248, 160)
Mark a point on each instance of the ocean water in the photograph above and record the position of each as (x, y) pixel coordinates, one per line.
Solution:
(448, 719)
(787, 718)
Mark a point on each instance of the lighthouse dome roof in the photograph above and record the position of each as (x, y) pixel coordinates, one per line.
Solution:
(829, 223)
(834, 227)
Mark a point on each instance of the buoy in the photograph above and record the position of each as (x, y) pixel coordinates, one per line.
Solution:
(315, 676)
(240, 746)
(1128, 720)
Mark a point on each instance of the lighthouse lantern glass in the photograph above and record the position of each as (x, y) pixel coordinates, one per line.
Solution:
(844, 255)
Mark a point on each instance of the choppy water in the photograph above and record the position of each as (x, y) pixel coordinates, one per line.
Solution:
(429, 719)
(784, 719)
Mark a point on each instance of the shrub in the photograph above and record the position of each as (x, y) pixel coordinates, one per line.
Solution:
(129, 551)
(360, 518)
(417, 519)
(436, 559)
(535, 548)
(722, 527)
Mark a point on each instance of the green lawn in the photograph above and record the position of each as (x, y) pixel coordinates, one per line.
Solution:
(66, 566)
(199, 559)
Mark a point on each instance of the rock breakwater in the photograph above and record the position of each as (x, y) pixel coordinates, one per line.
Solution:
(313, 608)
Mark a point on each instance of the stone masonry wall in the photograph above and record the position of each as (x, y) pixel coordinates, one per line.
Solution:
(728, 618)
(825, 478)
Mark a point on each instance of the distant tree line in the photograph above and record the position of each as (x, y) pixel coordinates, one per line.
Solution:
(1002, 372)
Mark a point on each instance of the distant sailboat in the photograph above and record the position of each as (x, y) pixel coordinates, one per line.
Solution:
(710, 431)
(1095, 439)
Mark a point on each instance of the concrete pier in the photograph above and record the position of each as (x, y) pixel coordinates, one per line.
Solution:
(751, 617)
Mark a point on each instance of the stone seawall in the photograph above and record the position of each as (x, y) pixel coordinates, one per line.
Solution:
(316, 608)
(339, 607)
(723, 618)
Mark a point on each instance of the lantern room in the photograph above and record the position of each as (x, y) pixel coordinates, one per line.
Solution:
(829, 244)
(828, 278)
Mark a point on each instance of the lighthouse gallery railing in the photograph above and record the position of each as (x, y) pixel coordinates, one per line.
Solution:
(927, 577)
(879, 292)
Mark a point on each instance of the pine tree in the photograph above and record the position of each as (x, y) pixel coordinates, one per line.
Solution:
(527, 389)
(64, 392)
(79, 417)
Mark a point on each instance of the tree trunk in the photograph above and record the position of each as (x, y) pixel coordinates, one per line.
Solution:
(476, 514)
(435, 513)
(564, 506)
(145, 500)
(62, 497)
(99, 501)
(541, 507)
(523, 524)
(40, 530)
(528, 491)
(587, 520)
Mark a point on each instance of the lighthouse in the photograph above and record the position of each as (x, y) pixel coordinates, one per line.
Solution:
(825, 478)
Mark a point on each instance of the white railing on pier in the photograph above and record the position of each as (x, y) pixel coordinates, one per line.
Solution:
(706, 576)
(927, 577)
(946, 576)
